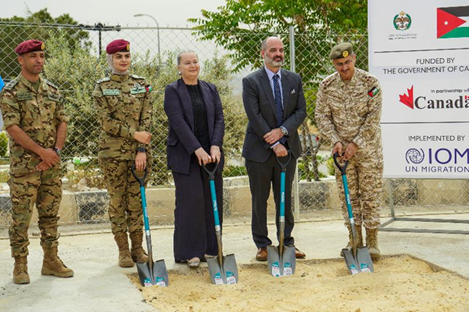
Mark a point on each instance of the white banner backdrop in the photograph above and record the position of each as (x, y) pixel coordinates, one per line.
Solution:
(419, 50)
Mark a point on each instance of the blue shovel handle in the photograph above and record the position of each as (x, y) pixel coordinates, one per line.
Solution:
(211, 175)
(283, 167)
(141, 181)
(344, 182)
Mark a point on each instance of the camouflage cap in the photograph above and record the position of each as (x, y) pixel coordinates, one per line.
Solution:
(119, 45)
(30, 46)
(341, 50)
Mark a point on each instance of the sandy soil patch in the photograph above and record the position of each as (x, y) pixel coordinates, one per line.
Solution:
(398, 284)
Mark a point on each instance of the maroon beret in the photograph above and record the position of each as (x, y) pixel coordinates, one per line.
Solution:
(30, 46)
(119, 45)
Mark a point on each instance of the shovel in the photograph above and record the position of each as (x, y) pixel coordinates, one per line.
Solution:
(150, 273)
(281, 259)
(223, 269)
(358, 260)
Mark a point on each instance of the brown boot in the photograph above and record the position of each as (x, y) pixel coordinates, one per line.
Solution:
(138, 254)
(372, 243)
(20, 271)
(52, 265)
(125, 259)
(358, 231)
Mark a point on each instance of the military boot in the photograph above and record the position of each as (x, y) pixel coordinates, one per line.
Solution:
(138, 254)
(20, 271)
(358, 231)
(52, 265)
(372, 243)
(125, 259)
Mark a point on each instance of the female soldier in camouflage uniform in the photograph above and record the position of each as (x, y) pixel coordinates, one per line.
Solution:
(124, 110)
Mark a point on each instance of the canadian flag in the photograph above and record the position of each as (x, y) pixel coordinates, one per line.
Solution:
(408, 99)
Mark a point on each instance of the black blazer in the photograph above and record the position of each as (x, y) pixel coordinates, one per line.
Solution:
(181, 139)
(260, 108)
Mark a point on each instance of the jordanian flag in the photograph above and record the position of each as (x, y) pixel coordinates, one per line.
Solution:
(452, 22)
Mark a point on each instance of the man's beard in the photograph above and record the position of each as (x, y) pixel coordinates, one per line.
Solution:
(273, 63)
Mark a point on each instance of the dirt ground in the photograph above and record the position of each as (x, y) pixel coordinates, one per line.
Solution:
(320, 284)
(399, 283)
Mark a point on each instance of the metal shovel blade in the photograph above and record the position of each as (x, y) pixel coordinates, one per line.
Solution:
(362, 263)
(156, 276)
(351, 262)
(364, 260)
(281, 265)
(228, 274)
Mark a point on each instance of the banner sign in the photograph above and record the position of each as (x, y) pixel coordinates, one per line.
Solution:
(420, 54)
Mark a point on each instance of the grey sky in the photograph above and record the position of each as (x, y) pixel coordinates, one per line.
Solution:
(111, 12)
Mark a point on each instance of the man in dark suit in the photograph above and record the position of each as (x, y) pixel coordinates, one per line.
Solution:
(275, 105)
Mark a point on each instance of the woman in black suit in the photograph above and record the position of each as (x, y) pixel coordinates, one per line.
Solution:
(196, 130)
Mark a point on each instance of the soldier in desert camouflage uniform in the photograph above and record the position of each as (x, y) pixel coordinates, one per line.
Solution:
(348, 112)
(124, 111)
(34, 117)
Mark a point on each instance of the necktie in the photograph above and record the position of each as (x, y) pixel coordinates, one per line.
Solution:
(278, 101)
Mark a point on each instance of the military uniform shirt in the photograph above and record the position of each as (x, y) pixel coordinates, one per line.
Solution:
(350, 111)
(37, 113)
(123, 107)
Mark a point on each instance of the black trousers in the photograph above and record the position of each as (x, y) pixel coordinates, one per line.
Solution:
(261, 177)
(194, 224)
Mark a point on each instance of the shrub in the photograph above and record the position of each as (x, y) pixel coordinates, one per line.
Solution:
(3, 144)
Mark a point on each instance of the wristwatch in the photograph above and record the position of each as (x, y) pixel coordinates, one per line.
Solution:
(284, 130)
(141, 149)
(57, 151)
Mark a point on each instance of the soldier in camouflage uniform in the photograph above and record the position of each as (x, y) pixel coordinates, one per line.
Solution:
(348, 112)
(34, 117)
(124, 112)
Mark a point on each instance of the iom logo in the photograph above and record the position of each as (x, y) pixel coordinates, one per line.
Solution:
(414, 156)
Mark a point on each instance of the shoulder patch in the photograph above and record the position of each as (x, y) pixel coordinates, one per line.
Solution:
(11, 84)
(51, 84)
(136, 77)
(373, 91)
(103, 79)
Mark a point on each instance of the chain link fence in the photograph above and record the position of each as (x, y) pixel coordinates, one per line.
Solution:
(75, 60)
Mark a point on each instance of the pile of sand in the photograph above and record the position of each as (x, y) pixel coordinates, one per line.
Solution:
(398, 284)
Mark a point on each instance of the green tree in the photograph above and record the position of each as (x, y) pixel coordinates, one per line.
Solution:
(241, 25)
(16, 29)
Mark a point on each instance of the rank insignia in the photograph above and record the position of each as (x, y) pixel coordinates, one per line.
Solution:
(138, 88)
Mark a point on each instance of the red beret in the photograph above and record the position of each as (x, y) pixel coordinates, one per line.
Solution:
(119, 45)
(30, 46)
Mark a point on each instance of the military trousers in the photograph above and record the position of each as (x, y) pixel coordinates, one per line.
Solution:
(365, 182)
(40, 188)
(125, 207)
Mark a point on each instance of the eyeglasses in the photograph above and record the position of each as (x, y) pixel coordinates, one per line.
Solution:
(347, 63)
